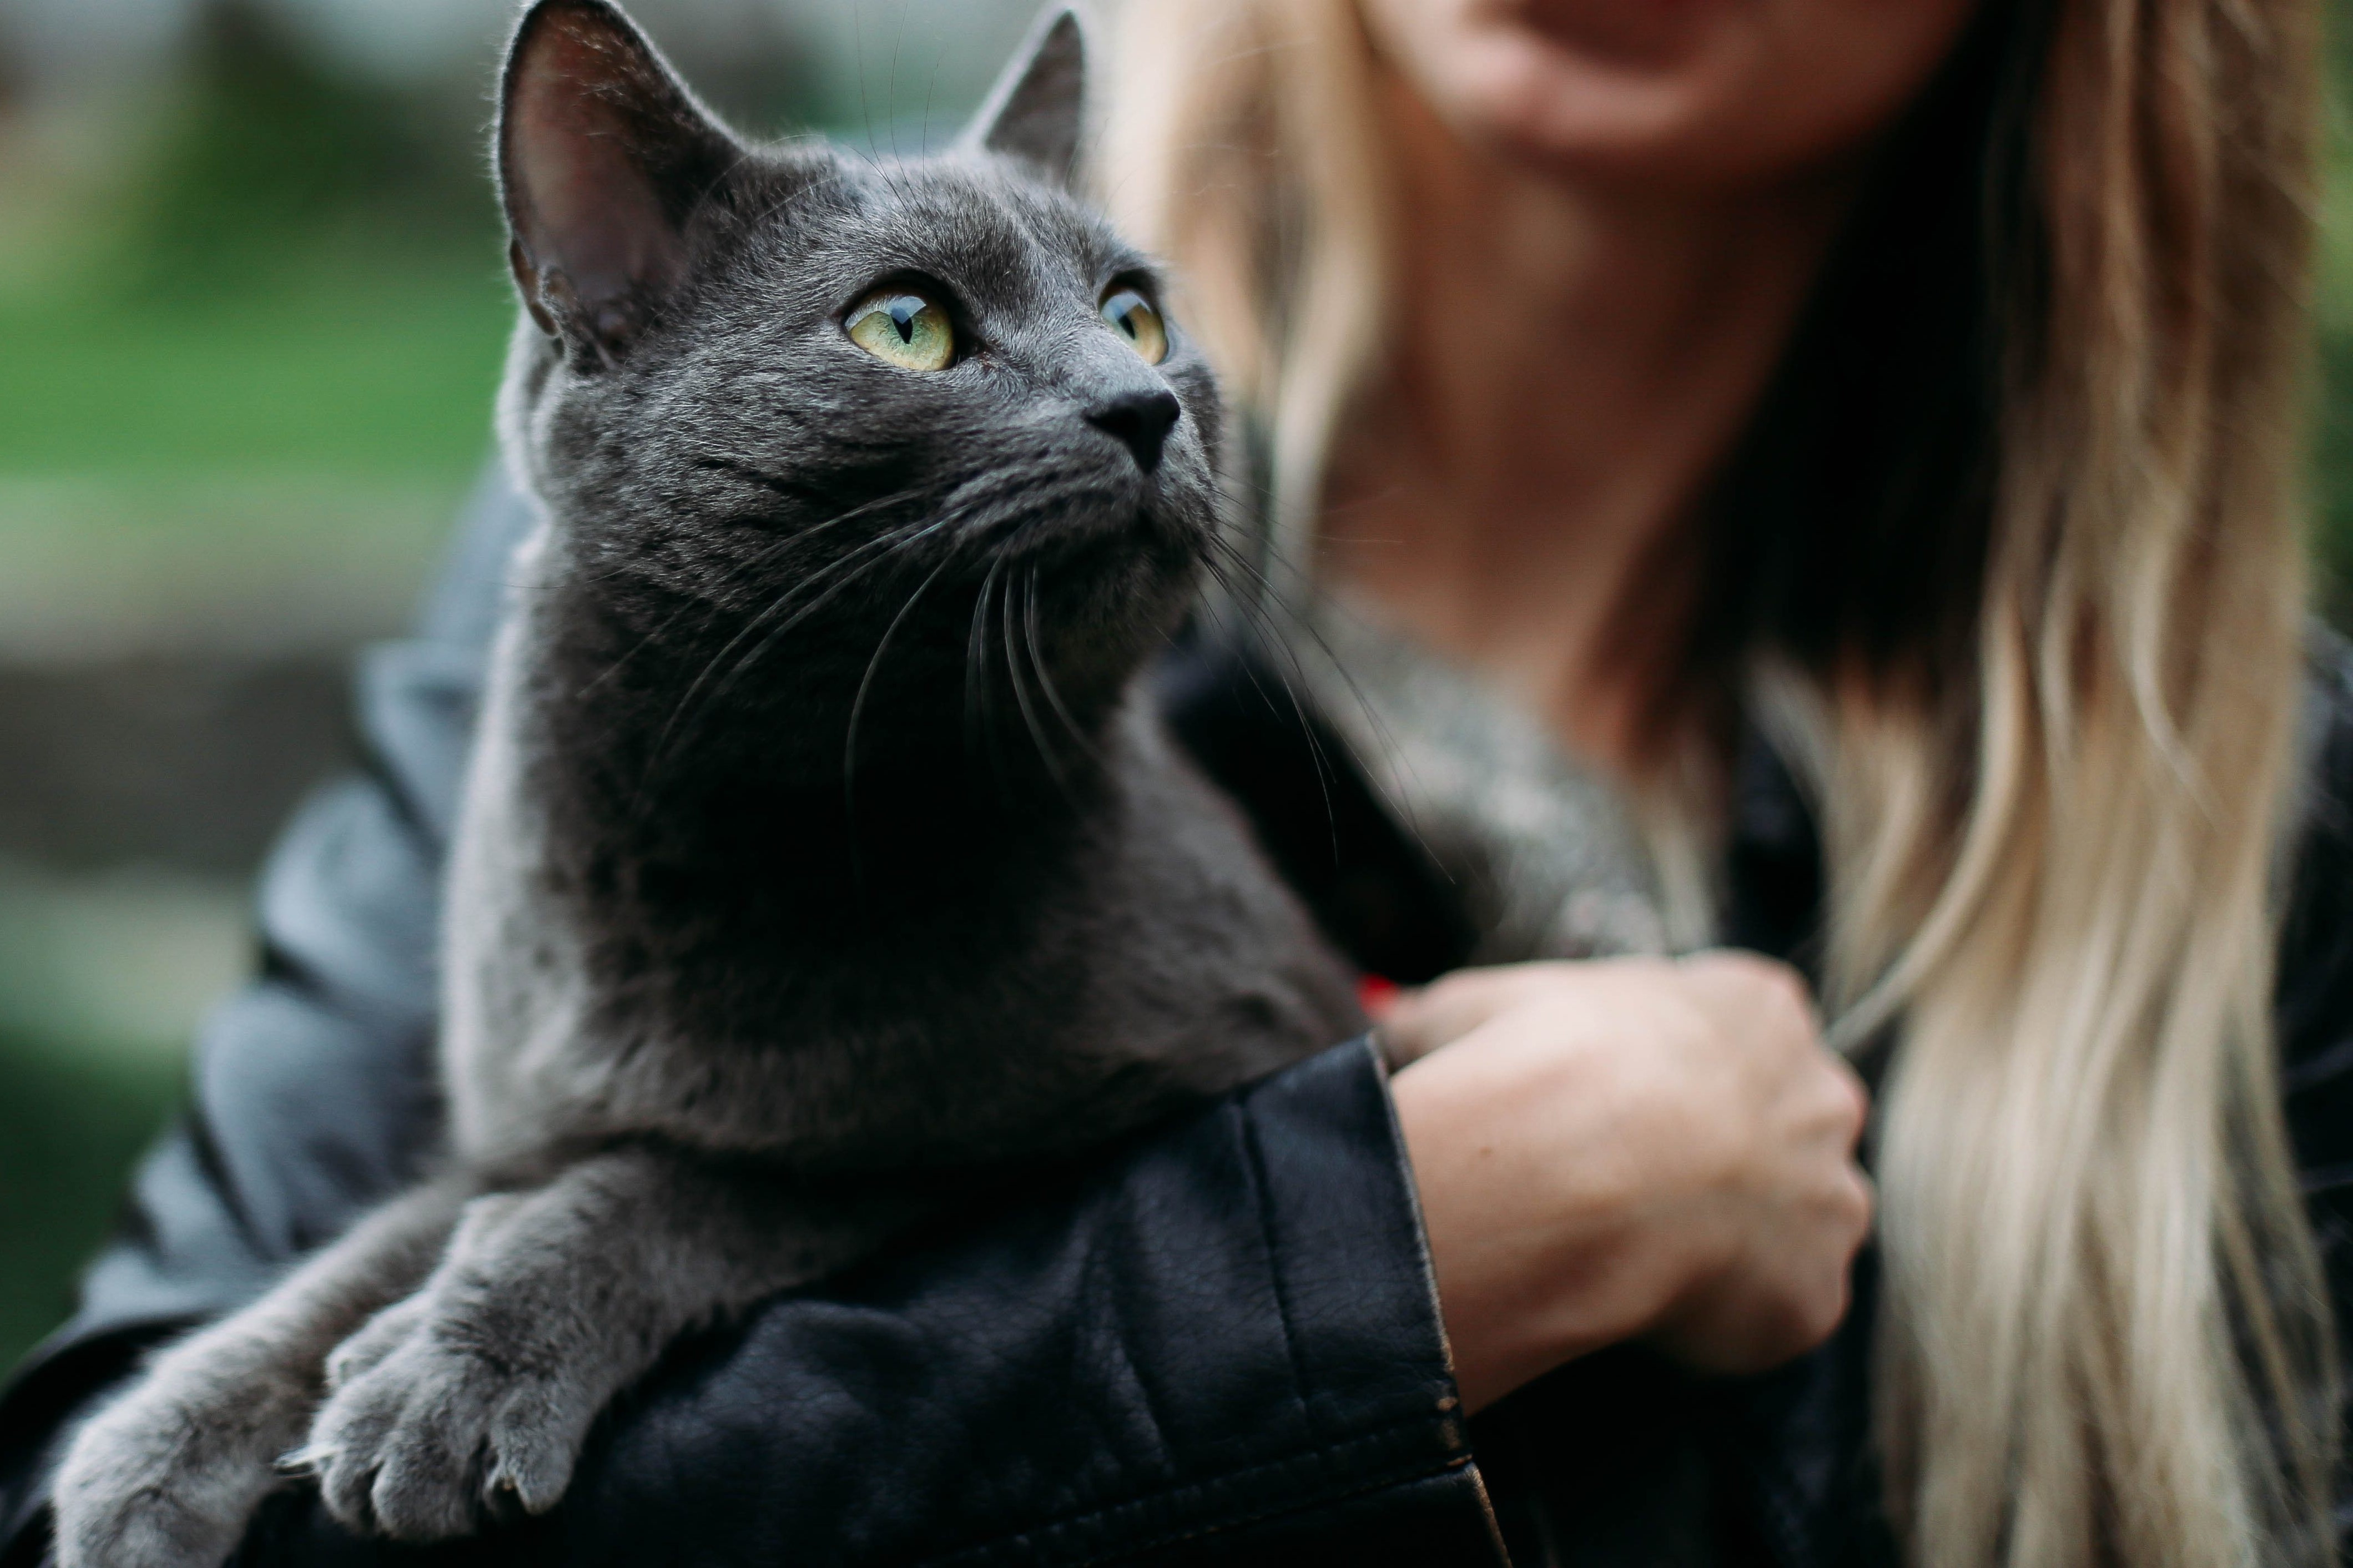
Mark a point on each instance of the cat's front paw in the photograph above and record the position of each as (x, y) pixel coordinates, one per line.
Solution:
(435, 1440)
(377, 1339)
(160, 1478)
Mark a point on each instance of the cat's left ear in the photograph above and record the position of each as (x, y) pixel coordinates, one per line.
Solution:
(1038, 109)
(603, 159)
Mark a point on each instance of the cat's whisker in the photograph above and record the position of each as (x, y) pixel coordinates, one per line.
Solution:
(865, 685)
(1021, 700)
(1262, 610)
(1270, 634)
(930, 89)
(885, 546)
(798, 193)
(1269, 601)
(890, 545)
(979, 691)
(1003, 501)
(1257, 606)
(687, 702)
(841, 572)
(759, 562)
(1045, 680)
(890, 93)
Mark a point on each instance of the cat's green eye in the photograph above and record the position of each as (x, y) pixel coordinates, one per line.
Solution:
(1134, 317)
(902, 328)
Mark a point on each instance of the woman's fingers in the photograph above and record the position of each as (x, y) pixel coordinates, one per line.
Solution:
(1631, 1148)
(1420, 1020)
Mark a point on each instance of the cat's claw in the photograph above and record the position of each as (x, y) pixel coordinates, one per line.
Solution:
(435, 1441)
(301, 1464)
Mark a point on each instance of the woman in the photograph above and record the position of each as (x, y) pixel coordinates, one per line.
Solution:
(1918, 379)
(1856, 391)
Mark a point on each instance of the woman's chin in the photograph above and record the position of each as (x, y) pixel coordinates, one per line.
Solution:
(1530, 100)
(1679, 93)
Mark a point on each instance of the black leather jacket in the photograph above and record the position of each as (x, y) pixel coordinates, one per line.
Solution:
(1219, 1343)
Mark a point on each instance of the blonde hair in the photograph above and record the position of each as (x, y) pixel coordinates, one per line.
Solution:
(2056, 778)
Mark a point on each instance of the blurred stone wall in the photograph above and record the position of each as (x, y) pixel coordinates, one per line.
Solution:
(189, 761)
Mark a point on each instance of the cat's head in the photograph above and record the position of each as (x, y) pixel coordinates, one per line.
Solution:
(770, 392)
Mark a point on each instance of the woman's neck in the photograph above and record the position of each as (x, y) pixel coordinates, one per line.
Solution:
(1569, 365)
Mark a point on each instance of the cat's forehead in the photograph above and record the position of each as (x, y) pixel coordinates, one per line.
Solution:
(969, 220)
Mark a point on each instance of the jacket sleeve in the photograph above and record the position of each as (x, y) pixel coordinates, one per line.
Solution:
(1220, 1343)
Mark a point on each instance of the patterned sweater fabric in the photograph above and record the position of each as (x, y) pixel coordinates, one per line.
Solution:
(1550, 858)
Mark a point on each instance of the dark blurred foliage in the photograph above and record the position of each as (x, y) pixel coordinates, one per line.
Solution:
(2332, 481)
(276, 157)
(271, 156)
(70, 1128)
(2332, 424)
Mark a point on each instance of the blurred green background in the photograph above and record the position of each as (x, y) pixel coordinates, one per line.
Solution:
(252, 307)
(252, 310)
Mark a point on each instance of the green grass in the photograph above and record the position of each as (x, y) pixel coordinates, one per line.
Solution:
(335, 371)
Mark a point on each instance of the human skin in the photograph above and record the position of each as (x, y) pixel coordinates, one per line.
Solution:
(1627, 1149)
(1619, 208)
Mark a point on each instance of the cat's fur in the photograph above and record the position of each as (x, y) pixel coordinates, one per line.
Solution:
(820, 849)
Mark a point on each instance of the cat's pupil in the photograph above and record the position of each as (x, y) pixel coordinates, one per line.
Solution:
(903, 312)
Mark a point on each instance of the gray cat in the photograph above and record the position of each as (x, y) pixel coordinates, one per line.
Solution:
(821, 852)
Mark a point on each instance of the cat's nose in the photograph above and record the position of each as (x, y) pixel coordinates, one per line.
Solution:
(1141, 420)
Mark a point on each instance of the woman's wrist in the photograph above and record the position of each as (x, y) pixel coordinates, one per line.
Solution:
(1617, 1150)
(1528, 1234)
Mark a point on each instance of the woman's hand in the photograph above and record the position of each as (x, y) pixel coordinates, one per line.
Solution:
(1629, 1149)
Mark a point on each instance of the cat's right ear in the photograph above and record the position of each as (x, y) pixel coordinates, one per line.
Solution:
(1038, 109)
(602, 158)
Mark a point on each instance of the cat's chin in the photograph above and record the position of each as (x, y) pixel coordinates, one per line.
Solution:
(1107, 544)
(1105, 575)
